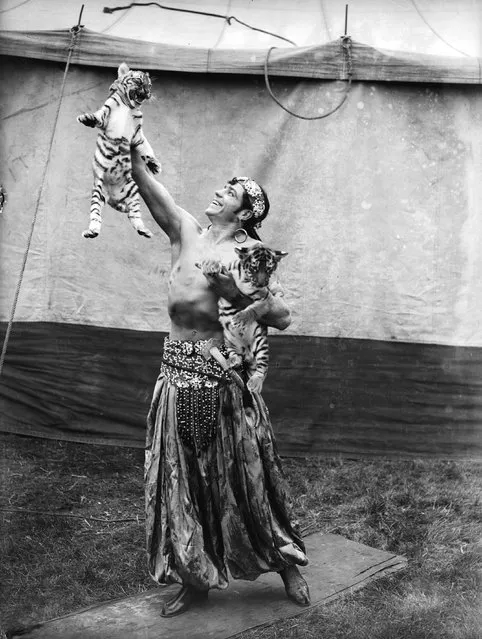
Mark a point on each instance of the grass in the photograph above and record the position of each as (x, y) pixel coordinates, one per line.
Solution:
(429, 511)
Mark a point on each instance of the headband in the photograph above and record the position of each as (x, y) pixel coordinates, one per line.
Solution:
(255, 194)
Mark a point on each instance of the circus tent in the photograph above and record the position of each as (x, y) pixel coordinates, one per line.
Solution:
(377, 204)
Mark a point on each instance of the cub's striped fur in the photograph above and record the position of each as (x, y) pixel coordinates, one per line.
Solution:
(120, 124)
(246, 340)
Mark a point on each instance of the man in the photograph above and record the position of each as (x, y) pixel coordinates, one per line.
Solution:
(216, 498)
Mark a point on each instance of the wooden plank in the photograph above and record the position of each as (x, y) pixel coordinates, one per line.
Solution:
(337, 567)
(325, 62)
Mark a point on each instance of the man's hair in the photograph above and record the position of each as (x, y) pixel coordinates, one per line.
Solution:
(251, 224)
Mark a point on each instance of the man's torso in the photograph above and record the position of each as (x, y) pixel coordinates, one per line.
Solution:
(192, 304)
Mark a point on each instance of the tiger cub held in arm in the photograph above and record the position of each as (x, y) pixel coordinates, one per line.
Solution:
(120, 124)
(246, 340)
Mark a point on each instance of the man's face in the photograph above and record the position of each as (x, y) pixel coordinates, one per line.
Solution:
(226, 203)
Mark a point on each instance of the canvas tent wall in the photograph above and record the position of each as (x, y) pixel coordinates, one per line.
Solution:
(377, 205)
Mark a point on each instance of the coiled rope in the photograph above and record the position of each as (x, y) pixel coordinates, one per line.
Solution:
(74, 35)
(346, 47)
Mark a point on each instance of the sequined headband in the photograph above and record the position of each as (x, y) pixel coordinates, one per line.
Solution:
(255, 194)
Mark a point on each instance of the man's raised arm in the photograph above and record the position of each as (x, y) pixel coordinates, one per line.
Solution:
(159, 201)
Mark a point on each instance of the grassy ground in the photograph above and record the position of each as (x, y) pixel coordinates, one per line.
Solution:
(429, 511)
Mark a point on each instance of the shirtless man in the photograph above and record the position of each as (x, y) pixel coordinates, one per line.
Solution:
(206, 512)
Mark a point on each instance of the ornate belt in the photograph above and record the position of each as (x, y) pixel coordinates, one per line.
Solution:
(184, 364)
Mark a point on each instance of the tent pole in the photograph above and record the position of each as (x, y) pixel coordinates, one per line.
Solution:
(80, 16)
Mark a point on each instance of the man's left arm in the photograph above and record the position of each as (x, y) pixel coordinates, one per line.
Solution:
(271, 311)
(274, 312)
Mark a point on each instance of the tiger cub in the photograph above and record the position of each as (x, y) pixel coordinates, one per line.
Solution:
(120, 124)
(246, 340)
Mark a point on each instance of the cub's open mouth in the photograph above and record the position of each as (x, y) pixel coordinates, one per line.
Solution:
(139, 96)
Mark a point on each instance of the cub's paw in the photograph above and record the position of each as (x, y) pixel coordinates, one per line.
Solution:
(152, 164)
(234, 360)
(87, 119)
(89, 233)
(255, 383)
(144, 232)
(211, 267)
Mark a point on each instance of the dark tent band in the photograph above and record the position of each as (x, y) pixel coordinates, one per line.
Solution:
(326, 395)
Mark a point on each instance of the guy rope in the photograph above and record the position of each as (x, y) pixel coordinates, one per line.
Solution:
(74, 34)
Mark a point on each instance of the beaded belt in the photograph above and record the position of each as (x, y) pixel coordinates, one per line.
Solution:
(197, 380)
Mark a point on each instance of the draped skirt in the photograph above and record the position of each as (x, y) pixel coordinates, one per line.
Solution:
(217, 502)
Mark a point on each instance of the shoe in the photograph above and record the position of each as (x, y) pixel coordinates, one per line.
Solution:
(185, 598)
(295, 586)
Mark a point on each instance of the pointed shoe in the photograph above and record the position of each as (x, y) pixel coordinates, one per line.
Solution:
(296, 587)
(185, 599)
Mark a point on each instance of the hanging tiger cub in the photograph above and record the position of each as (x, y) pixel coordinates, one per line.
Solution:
(120, 124)
(245, 339)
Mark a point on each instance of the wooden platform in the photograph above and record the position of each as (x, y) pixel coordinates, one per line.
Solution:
(337, 566)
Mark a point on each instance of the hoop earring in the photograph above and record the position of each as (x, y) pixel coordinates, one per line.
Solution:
(240, 236)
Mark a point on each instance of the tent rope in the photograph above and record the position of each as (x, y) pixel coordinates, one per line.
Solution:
(208, 14)
(20, 4)
(346, 47)
(415, 6)
(74, 35)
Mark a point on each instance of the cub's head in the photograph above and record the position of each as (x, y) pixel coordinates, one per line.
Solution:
(259, 263)
(135, 86)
